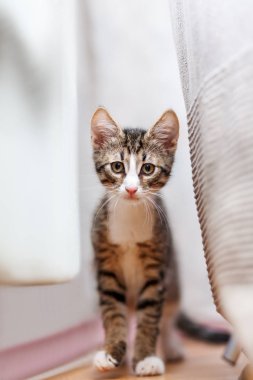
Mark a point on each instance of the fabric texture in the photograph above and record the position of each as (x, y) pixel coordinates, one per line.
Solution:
(214, 42)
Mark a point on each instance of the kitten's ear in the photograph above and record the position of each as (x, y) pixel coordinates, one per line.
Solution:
(103, 128)
(165, 131)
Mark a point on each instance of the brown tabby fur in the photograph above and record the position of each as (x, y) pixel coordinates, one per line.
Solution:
(141, 274)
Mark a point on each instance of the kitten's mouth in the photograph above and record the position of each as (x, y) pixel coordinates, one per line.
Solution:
(131, 197)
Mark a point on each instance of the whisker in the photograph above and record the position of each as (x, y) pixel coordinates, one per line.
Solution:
(153, 193)
(149, 213)
(155, 206)
(160, 212)
(158, 195)
(146, 212)
(116, 203)
(103, 205)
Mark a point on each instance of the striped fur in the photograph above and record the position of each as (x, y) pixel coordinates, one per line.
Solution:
(134, 255)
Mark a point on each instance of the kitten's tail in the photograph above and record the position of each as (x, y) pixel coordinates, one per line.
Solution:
(200, 331)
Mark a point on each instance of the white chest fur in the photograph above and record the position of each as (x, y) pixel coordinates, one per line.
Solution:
(129, 223)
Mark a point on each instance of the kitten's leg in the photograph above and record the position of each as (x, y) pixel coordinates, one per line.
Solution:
(113, 308)
(149, 310)
(170, 340)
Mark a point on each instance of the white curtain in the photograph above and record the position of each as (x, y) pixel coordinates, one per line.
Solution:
(39, 215)
(215, 51)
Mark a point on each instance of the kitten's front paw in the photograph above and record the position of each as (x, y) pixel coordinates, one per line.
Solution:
(104, 362)
(150, 366)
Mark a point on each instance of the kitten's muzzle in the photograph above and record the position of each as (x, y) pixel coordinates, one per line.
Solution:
(131, 190)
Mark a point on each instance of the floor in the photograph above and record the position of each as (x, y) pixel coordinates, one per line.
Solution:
(203, 362)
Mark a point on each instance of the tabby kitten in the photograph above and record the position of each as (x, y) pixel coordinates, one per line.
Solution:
(134, 254)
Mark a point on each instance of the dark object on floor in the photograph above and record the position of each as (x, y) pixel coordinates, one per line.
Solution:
(201, 332)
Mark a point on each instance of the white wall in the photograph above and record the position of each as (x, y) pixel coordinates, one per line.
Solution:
(127, 63)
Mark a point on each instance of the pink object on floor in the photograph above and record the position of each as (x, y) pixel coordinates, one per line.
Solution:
(30, 359)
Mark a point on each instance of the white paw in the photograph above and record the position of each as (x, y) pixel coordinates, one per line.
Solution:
(104, 362)
(150, 366)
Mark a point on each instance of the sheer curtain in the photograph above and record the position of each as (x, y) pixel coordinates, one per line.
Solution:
(215, 54)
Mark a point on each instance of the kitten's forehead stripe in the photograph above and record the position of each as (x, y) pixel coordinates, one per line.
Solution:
(134, 139)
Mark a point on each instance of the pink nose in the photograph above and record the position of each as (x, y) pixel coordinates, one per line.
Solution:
(131, 190)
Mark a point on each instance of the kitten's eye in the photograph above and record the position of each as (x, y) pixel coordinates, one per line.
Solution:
(117, 167)
(148, 169)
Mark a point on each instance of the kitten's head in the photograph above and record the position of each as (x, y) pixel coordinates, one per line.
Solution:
(133, 162)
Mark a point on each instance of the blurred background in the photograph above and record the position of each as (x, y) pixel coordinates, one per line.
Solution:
(58, 62)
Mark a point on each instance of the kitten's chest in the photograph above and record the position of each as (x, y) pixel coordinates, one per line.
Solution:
(129, 224)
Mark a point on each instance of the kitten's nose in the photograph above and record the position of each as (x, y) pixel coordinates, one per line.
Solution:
(131, 190)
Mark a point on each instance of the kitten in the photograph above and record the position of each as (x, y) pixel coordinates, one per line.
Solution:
(134, 253)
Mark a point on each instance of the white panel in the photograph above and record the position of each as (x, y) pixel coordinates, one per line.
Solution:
(39, 222)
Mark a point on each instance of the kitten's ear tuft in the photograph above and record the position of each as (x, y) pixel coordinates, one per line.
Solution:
(166, 131)
(103, 128)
